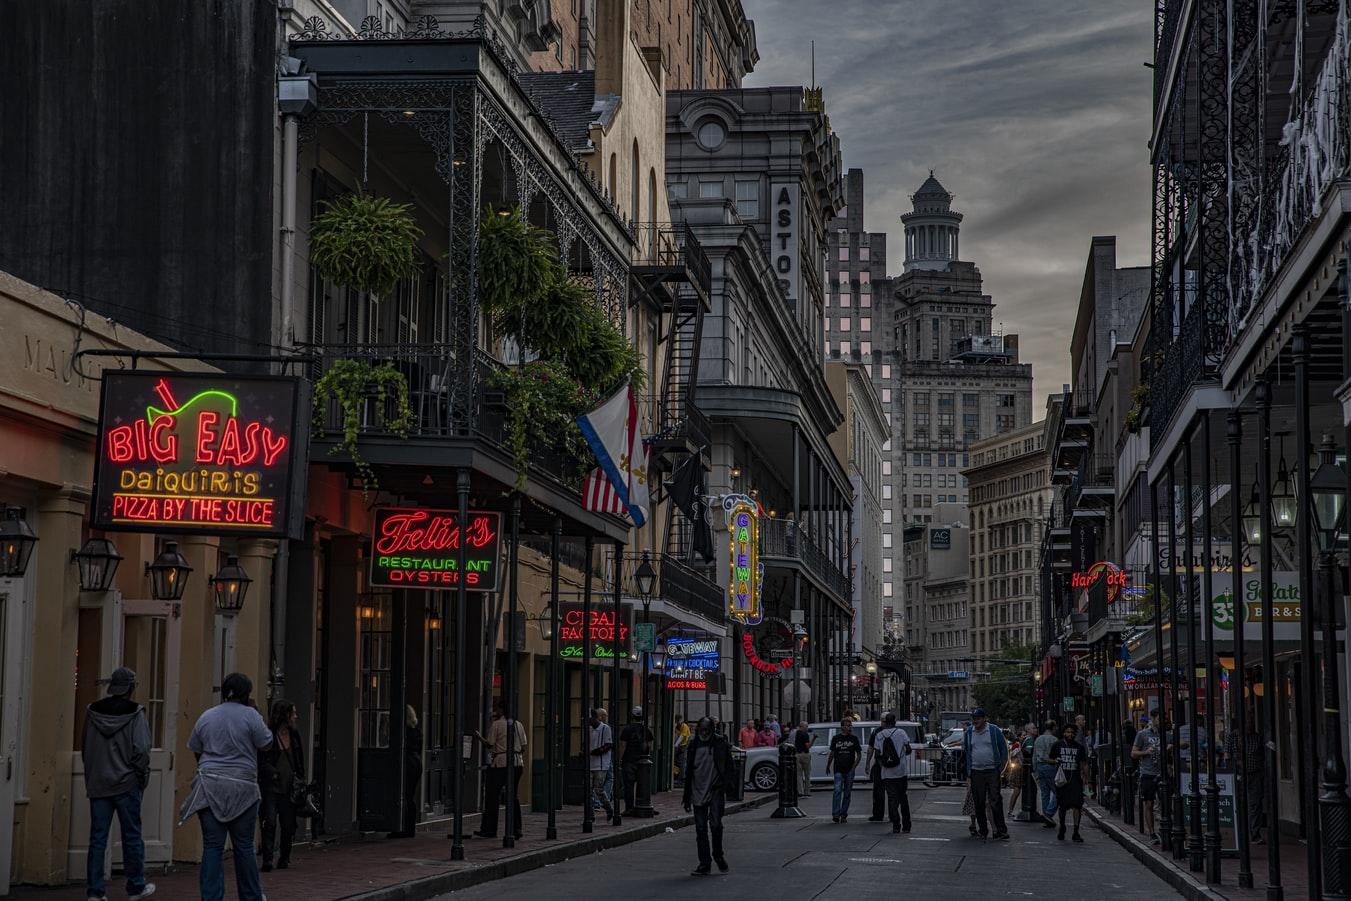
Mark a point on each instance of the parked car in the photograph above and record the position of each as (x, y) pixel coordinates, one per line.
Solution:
(762, 764)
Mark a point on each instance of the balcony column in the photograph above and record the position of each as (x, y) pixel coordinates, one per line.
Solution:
(1195, 853)
(1271, 772)
(1178, 838)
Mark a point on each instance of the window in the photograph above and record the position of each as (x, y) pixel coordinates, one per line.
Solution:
(1004, 422)
(886, 370)
(866, 324)
(710, 190)
(844, 253)
(886, 395)
(1005, 400)
(866, 301)
(886, 589)
(886, 514)
(886, 568)
(971, 401)
(711, 134)
(844, 323)
(748, 199)
(678, 190)
(886, 492)
(867, 348)
(863, 253)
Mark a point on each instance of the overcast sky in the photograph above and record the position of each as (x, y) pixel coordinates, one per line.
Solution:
(1034, 113)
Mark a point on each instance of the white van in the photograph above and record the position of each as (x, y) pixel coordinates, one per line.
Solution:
(762, 764)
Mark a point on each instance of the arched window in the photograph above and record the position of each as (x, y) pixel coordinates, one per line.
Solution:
(614, 175)
(634, 182)
(652, 208)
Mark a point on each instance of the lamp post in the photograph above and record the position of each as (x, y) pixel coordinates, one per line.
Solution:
(1328, 489)
(168, 574)
(16, 542)
(229, 586)
(97, 562)
(645, 577)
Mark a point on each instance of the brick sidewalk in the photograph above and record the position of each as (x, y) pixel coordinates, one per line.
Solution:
(376, 868)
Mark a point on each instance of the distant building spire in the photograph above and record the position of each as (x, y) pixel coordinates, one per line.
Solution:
(931, 227)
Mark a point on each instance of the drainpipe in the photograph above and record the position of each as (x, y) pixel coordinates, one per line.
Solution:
(297, 95)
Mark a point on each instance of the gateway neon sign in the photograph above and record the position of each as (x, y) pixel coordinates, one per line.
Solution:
(747, 572)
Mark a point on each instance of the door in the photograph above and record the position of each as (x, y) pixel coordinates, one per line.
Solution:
(11, 646)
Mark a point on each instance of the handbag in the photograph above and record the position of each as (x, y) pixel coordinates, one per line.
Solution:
(1062, 778)
(305, 800)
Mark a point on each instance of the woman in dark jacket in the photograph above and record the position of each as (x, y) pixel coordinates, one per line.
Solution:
(412, 775)
(281, 770)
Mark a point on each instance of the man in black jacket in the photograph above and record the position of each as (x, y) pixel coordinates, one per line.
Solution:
(709, 776)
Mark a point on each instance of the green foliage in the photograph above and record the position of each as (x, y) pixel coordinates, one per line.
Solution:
(352, 382)
(1006, 694)
(365, 243)
(1139, 400)
(543, 402)
(517, 264)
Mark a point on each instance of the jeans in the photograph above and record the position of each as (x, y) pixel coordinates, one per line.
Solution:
(211, 878)
(277, 807)
(898, 802)
(493, 784)
(844, 790)
(708, 818)
(804, 773)
(600, 794)
(986, 795)
(1256, 797)
(127, 806)
(679, 763)
(1046, 782)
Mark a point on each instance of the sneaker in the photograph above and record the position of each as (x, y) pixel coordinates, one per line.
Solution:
(146, 891)
(1077, 837)
(700, 870)
(1061, 834)
(722, 864)
(845, 818)
(1154, 838)
(1001, 836)
(834, 819)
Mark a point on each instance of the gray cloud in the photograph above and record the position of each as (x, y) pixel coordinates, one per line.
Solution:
(1035, 113)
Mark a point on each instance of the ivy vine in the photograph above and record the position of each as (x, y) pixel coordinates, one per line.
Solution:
(351, 383)
(543, 402)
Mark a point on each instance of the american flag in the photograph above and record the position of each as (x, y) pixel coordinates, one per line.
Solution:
(599, 495)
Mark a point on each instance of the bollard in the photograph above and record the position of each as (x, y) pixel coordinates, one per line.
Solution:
(787, 808)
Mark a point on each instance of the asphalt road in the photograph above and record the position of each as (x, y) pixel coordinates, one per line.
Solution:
(814, 858)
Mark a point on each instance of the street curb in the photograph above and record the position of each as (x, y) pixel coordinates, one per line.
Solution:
(1190, 888)
(431, 886)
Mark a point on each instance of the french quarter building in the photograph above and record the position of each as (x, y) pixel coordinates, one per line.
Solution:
(756, 174)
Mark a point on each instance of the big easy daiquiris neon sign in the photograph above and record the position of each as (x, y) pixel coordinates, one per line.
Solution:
(199, 452)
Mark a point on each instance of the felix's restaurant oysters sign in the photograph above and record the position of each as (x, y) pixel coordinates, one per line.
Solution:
(211, 453)
(416, 547)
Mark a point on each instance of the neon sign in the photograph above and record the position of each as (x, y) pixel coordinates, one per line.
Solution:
(685, 654)
(1115, 577)
(699, 684)
(746, 571)
(198, 452)
(571, 639)
(420, 548)
(768, 667)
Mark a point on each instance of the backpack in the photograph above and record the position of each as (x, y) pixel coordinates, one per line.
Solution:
(890, 756)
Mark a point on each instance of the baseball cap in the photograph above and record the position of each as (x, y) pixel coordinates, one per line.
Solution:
(122, 681)
(978, 711)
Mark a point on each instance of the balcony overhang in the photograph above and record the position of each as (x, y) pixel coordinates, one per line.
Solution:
(1061, 476)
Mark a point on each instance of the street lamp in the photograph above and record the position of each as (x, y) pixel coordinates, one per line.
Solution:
(1328, 495)
(1252, 519)
(646, 579)
(545, 621)
(16, 542)
(230, 585)
(97, 562)
(1283, 504)
(168, 574)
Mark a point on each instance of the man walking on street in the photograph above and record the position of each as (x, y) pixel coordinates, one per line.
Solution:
(635, 740)
(986, 753)
(682, 740)
(891, 746)
(116, 754)
(1045, 770)
(845, 752)
(711, 776)
(498, 772)
(1145, 751)
(602, 747)
(802, 749)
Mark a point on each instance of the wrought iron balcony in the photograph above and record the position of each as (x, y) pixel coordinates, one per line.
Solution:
(677, 583)
(670, 253)
(675, 424)
(786, 539)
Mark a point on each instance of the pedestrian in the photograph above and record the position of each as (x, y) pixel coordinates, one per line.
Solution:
(116, 755)
(681, 740)
(495, 779)
(766, 737)
(712, 776)
(845, 753)
(1145, 753)
(985, 754)
(891, 748)
(1187, 735)
(1252, 773)
(1045, 771)
(224, 793)
(778, 730)
(1090, 745)
(879, 789)
(412, 774)
(281, 769)
(635, 740)
(1071, 758)
(600, 763)
(749, 735)
(1016, 754)
(802, 748)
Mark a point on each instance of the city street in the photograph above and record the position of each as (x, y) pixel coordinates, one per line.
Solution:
(818, 858)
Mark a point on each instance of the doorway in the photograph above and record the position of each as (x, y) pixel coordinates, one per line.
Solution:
(11, 652)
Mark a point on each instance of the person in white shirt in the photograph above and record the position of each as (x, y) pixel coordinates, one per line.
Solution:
(891, 746)
(602, 750)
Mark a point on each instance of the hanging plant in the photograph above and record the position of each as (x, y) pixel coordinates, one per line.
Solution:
(352, 383)
(365, 243)
(542, 402)
(517, 262)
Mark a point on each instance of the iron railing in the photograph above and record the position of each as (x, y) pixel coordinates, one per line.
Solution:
(673, 246)
(784, 538)
(666, 418)
(677, 583)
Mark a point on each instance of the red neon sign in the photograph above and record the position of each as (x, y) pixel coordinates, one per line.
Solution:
(686, 684)
(1115, 578)
(765, 666)
(420, 548)
(601, 629)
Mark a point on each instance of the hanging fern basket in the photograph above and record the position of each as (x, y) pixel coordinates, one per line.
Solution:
(365, 243)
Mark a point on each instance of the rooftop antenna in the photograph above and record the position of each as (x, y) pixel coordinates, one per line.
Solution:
(813, 65)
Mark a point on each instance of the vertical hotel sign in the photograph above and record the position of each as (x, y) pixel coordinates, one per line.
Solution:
(746, 575)
(210, 453)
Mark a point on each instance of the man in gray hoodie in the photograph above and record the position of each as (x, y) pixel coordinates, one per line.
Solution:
(116, 753)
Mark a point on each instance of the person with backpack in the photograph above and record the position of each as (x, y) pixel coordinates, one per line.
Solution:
(845, 751)
(891, 745)
(985, 754)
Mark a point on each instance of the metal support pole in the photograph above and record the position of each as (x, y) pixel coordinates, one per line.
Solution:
(1240, 609)
(1212, 833)
(1165, 806)
(509, 690)
(642, 796)
(1195, 852)
(457, 752)
(588, 811)
(1270, 780)
(797, 577)
(1179, 836)
(1306, 707)
(553, 765)
(615, 771)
